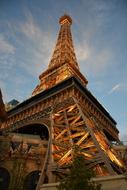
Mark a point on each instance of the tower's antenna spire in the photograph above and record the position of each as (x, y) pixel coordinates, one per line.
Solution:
(63, 63)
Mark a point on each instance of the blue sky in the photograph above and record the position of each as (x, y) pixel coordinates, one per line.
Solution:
(28, 32)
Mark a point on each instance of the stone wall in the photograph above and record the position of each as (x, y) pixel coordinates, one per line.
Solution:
(50, 186)
(118, 182)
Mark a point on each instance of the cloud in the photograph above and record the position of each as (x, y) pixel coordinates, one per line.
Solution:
(7, 59)
(12, 87)
(99, 61)
(115, 88)
(94, 62)
(37, 44)
(29, 27)
(83, 52)
(5, 46)
(26, 59)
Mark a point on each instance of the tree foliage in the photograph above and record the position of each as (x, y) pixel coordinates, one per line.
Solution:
(78, 177)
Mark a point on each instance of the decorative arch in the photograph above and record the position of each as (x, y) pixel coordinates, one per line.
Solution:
(37, 129)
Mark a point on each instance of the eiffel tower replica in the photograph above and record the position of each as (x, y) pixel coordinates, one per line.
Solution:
(41, 132)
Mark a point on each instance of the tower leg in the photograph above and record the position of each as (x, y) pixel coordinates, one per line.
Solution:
(71, 127)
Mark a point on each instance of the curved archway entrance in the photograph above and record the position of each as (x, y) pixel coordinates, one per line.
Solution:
(4, 179)
(34, 129)
(31, 180)
(34, 142)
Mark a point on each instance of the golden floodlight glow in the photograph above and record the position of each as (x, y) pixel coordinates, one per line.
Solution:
(113, 158)
(84, 137)
(65, 156)
(71, 108)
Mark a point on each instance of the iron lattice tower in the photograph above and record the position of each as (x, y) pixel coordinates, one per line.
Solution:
(71, 113)
(71, 124)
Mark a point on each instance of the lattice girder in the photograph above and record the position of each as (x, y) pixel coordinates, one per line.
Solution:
(71, 127)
